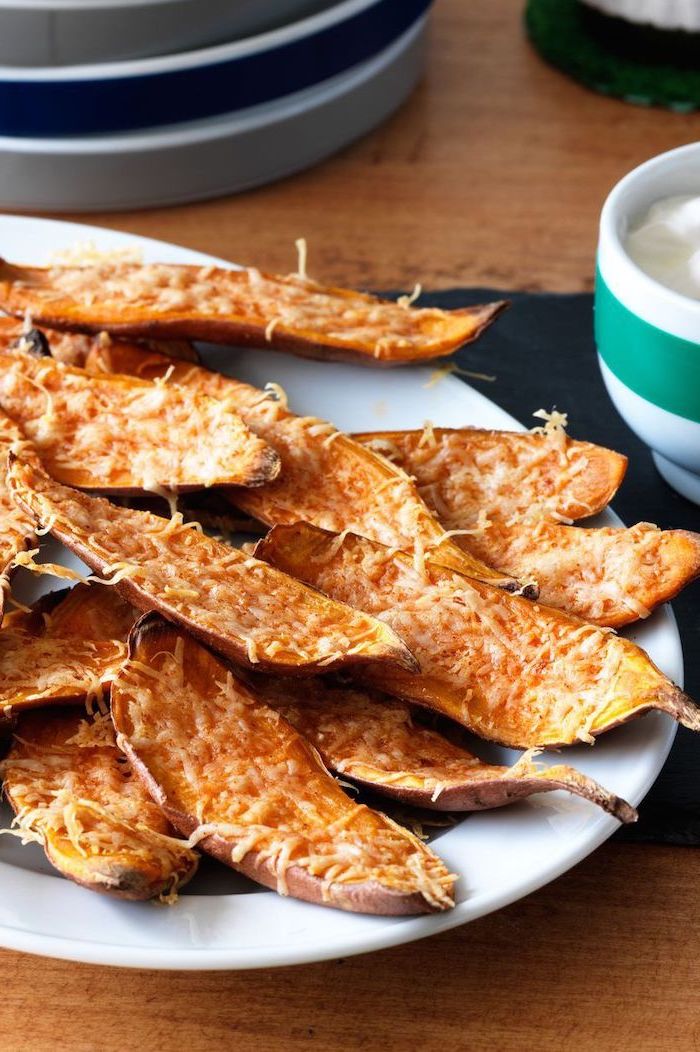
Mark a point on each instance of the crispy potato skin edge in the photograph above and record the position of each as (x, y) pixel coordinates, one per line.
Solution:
(243, 335)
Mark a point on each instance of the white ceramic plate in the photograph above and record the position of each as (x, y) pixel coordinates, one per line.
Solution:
(222, 920)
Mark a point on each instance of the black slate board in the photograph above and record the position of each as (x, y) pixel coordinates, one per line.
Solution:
(543, 355)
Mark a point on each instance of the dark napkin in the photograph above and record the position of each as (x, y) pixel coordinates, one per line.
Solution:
(542, 354)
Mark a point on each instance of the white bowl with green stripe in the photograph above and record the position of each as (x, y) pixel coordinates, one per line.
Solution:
(648, 336)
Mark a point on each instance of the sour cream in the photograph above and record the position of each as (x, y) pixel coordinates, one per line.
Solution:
(665, 243)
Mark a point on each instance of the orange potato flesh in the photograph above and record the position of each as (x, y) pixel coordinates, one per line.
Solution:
(610, 576)
(461, 472)
(73, 792)
(326, 478)
(16, 526)
(225, 767)
(44, 668)
(123, 435)
(164, 301)
(510, 670)
(521, 483)
(241, 607)
(374, 741)
(87, 611)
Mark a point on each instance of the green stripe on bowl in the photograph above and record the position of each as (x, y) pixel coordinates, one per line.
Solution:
(662, 368)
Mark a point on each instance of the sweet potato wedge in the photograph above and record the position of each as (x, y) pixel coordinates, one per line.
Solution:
(374, 741)
(39, 669)
(122, 435)
(520, 484)
(510, 670)
(461, 472)
(610, 576)
(326, 478)
(243, 608)
(165, 301)
(16, 526)
(88, 611)
(73, 793)
(235, 777)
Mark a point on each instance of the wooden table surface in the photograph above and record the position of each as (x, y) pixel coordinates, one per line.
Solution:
(493, 173)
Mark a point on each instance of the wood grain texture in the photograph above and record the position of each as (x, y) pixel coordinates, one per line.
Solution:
(604, 959)
(494, 173)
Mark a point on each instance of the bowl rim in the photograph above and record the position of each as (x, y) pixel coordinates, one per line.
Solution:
(638, 291)
(211, 55)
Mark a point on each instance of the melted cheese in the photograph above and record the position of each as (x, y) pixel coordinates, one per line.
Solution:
(107, 432)
(508, 669)
(460, 472)
(326, 478)
(238, 600)
(35, 670)
(77, 798)
(16, 526)
(245, 777)
(610, 576)
(208, 301)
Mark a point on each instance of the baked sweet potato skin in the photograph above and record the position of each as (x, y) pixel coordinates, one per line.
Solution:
(510, 492)
(224, 766)
(510, 670)
(243, 307)
(40, 667)
(243, 608)
(326, 478)
(90, 611)
(73, 792)
(610, 576)
(16, 526)
(73, 348)
(461, 472)
(64, 649)
(374, 741)
(123, 435)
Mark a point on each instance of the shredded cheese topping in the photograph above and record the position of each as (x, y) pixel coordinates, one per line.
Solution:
(112, 293)
(238, 600)
(375, 740)
(302, 251)
(508, 669)
(247, 779)
(326, 478)
(73, 794)
(525, 486)
(112, 432)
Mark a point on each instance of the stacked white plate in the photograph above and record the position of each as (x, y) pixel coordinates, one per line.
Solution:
(197, 123)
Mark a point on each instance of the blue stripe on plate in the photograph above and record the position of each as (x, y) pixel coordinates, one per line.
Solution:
(89, 107)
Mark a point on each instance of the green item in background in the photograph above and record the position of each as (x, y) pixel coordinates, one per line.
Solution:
(562, 32)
